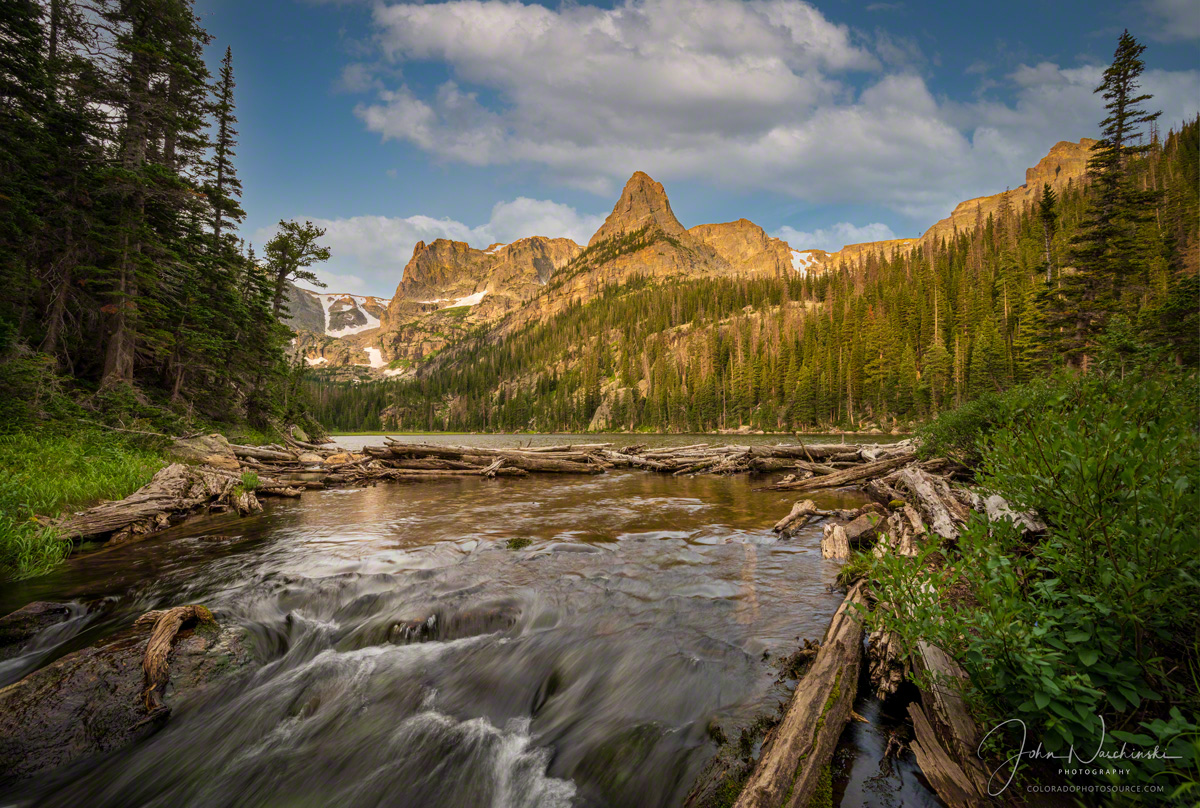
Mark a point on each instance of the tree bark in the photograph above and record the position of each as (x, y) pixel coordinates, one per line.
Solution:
(844, 477)
(802, 744)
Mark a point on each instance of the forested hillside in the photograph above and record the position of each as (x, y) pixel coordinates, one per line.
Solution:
(123, 283)
(877, 343)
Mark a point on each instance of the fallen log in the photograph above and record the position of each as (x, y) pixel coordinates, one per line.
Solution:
(801, 512)
(174, 490)
(430, 463)
(368, 475)
(923, 489)
(946, 737)
(835, 543)
(885, 663)
(310, 447)
(618, 459)
(516, 459)
(802, 744)
(289, 491)
(845, 477)
(261, 453)
(568, 447)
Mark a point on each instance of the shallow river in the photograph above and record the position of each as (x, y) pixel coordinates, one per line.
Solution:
(413, 659)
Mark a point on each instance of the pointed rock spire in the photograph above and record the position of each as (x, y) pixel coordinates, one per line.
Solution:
(643, 203)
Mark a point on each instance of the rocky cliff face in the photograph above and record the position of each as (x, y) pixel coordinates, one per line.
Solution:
(450, 287)
(1066, 163)
(304, 310)
(640, 238)
(747, 248)
(335, 315)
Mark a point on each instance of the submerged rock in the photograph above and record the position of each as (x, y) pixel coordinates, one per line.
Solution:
(17, 628)
(92, 701)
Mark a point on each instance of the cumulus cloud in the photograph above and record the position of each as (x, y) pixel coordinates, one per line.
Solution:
(369, 252)
(834, 237)
(1179, 20)
(760, 95)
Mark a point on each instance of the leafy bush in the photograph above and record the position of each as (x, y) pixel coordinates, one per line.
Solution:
(1090, 631)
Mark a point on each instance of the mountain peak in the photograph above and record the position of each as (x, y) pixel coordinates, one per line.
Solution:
(643, 203)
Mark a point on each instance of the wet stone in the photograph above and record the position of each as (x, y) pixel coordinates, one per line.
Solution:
(90, 702)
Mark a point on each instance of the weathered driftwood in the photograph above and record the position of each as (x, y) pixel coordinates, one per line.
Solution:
(942, 511)
(801, 512)
(262, 453)
(175, 490)
(946, 737)
(844, 477)
(802, 744)
(835, 543)
(838, 539)
(522, 460)
(382, 474)
(289, 491)
(885, 663)
(568, 447)
(155, 668)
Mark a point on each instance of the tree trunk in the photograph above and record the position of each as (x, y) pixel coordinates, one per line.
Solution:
(802, 744)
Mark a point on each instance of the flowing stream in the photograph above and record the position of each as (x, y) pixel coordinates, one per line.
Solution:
(411, 658)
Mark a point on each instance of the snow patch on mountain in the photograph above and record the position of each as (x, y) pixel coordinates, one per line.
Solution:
(372, 322)
(469, 300)
(376, 357)
(802, 262)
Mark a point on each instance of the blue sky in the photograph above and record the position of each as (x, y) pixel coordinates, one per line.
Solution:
(826, 123)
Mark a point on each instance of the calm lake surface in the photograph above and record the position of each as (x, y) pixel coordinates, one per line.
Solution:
(412, 659)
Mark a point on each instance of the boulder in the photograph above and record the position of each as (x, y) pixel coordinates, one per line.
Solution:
(92, 701)
(342, 457)
(310, 457)
(209, 450)
(17, 628)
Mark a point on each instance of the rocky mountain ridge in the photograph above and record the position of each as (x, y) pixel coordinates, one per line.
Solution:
(449, 289)
(1064, 164)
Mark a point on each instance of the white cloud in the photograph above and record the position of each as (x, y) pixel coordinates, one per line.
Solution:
(1178, 19)
(369, 252)
(834, 237)
(760, 95)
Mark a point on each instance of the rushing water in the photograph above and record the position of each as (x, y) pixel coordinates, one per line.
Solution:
(410, 658)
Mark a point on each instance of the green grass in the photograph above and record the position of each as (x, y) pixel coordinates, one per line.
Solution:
(48, 473)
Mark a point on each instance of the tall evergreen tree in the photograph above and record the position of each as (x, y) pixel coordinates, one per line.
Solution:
(290, 254)
(1108, 250)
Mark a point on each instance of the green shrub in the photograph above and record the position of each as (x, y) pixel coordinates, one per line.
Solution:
(1089, 631)
(250, 481)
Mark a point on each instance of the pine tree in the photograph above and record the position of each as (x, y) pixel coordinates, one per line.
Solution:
(223, 187)
(290, 254)
(1107, 249)
(1048, 216)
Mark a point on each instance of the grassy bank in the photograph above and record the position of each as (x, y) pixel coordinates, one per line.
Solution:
(52, 470)
(1089, 634)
